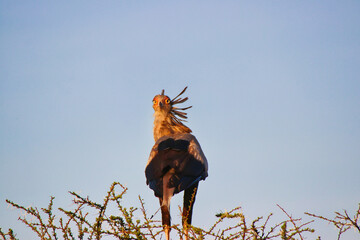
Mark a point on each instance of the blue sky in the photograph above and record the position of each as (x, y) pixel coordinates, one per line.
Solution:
(274, 87)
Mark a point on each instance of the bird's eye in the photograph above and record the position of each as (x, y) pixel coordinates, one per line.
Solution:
(167, 101)
(154, 101)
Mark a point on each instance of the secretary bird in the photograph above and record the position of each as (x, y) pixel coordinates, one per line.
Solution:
(176, 161)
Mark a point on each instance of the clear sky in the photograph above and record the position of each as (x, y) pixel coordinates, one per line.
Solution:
(274, 86)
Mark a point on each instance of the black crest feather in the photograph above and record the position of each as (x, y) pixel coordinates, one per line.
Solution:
(175, 111)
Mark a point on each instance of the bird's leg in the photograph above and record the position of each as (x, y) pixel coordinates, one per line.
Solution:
(167, 232)
(189, 200)
(165, 214)
(165, 202)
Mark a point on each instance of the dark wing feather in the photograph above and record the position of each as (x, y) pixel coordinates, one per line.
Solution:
(172, 155)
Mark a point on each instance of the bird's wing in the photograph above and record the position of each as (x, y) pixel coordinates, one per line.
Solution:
(180, 155)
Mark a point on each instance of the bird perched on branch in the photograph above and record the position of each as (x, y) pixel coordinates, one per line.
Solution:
(176, 161)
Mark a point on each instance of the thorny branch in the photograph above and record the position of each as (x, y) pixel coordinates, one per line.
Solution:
(91, 220)
(343, 222)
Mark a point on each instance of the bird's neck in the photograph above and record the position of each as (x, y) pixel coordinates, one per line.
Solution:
(165, 125)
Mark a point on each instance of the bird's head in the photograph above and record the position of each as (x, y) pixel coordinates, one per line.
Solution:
(162, 104)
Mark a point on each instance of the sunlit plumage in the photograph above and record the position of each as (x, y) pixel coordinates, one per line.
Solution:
(177, 162)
